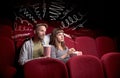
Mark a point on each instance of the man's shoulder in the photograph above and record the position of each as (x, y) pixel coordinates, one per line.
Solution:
(28, 41)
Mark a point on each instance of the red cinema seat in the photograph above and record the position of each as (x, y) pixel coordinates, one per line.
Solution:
(7, 57)
(6, 30)
(105, 45)
(111, 64)
(69, 42)
(85, 66)
(87, 45)
(85, 32)
(45, 68)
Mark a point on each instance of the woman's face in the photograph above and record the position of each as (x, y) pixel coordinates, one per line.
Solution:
(60, 37)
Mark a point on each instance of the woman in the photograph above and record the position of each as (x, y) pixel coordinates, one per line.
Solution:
(58, 48)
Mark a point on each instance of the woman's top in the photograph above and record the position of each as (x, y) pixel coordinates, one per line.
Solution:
(55, 53)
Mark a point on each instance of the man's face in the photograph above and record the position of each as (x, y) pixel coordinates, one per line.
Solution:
(40, 32)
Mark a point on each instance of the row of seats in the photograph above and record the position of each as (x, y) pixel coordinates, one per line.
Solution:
(90, 46)
(87, 45)
(10, 70)
(85, 66)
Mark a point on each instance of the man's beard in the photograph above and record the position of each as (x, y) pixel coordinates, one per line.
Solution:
(41, 38)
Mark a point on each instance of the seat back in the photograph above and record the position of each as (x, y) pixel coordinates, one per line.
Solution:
(104, 45)
(85, 32)
(6, 30)
(111, 64)
(87, 45)
(85, 66)
(7, 51)
(22, 31)
(45, 68)
(69, 42)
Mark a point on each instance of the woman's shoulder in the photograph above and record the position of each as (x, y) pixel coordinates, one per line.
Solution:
(52, 46)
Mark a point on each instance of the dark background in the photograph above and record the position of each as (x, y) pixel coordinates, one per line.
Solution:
(95, 8)
(98, 17)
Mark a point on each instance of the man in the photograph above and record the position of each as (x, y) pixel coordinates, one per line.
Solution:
(33, 48)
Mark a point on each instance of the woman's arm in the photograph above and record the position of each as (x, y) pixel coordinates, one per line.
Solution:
(53, 52)
(70, 51)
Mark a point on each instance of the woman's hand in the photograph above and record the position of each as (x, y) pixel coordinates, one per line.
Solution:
(70, 51)
(79, 52)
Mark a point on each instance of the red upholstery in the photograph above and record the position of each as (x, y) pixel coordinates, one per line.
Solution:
(7, 57)
(87, 45)
(45, 68)
(69, 42)
(85, 32)
(6, 30)
(22, 30)
(7, 71)
(105, 44)
(49, 29)
(111, 63)
(85, 66)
